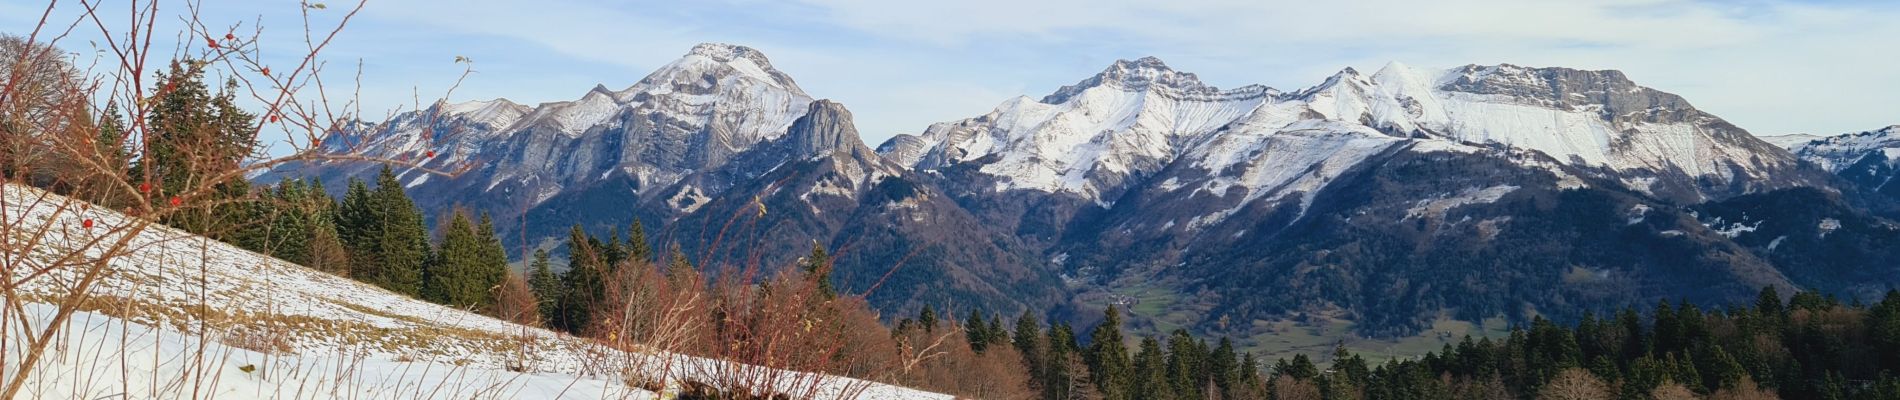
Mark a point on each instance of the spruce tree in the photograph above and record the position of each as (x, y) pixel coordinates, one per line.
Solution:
(583, 282)
(1223, 367)
(194, 135)
(1059, 374)
(1151, 371)
(637, 247)
(1768, 303)
(1185, 365)
(546, 285)
(928, 318)
(817, 267)
(493, 268)
(612, 251)
(679, 270)
(975, 332)
(1108, 357)
(995, 334)
(402, 244)
(328, 252)
(1028, 342)
(290, 223)
(465, 266)
(356, 226)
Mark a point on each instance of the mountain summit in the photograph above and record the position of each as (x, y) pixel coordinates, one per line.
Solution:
(1136, 116)
(1394, 196)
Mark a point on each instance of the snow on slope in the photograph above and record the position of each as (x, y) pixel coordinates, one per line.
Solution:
(1790, 141)
(170, 289)
(692, 114)
(1086, 137)
(1138, 116)
(156, 363)
(1839, 152)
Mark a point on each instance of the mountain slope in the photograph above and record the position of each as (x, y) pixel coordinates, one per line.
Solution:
(693, 114)
(1384, 196)
(1136, 116)
(182, 306)
(889, 231)
(1867, 159)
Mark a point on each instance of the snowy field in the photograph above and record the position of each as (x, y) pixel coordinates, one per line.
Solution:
(179, 316)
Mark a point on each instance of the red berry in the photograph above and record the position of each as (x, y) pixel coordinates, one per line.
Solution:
(273, 118)
(176, 201)
(145, 187)
(211, 42)
(228, 36)
(316, 142)
(87, 223)
(431, 154)
(266, 71)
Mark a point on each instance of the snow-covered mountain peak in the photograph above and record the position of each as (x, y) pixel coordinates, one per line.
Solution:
(693, 114)
(1845, 150)
(724, 52)
(601, 89)
(497, 113)
(1137, 115)
(1150, 74)
(709, 63)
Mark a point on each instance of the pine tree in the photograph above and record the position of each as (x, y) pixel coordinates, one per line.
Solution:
(546, 285)
(1108, 357)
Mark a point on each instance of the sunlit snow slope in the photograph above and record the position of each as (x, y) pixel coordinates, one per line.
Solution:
(176, 314)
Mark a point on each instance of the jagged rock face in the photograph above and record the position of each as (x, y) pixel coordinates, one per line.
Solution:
(896, 239)
(825, 127)
(693, 114)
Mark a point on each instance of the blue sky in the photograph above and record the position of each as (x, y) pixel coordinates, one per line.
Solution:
(1772, 67)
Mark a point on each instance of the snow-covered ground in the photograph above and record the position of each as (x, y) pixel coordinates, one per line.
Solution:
(180, 316)
(102, 357)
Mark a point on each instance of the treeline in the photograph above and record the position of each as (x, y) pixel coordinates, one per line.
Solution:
(187, 174)
(1809, 347)
(378, 236)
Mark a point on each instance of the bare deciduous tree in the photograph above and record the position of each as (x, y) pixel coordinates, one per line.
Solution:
(1574, 384)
